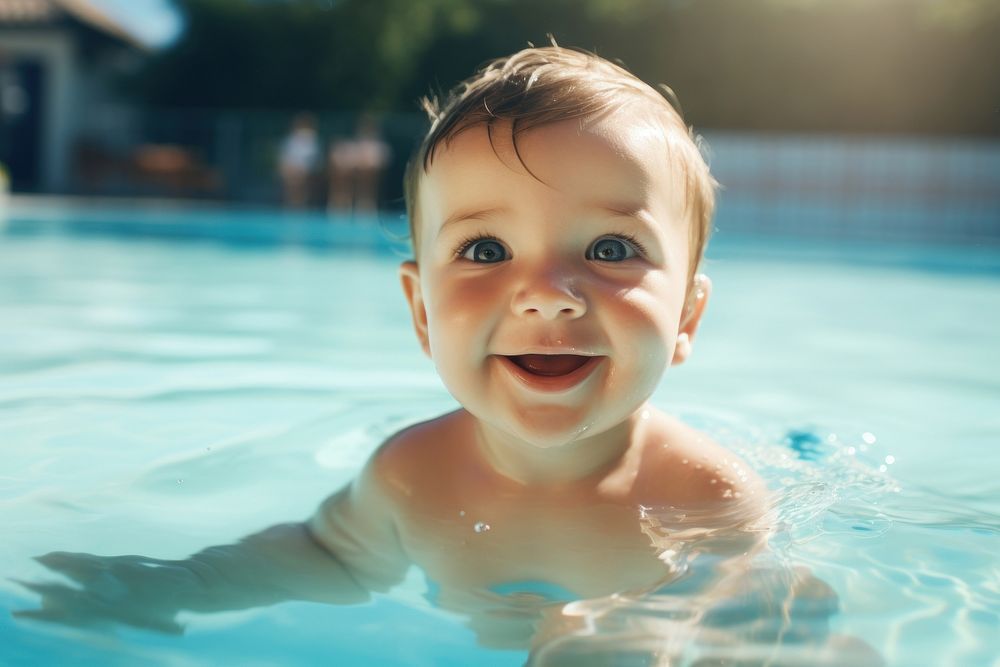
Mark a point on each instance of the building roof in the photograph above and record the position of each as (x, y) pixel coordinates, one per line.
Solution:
(44, 13)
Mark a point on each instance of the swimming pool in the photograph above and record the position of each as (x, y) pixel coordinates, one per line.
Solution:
(175, 380)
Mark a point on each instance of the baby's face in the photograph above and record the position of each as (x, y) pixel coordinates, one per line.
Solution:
(551, 301)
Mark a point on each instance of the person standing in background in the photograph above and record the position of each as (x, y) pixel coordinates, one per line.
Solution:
(356, 166)
(298, 159)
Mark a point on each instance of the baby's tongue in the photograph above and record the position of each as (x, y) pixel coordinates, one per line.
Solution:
(549, 364)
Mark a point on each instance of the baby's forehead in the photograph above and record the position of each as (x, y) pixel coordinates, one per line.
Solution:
(623, 155)
(635, 117)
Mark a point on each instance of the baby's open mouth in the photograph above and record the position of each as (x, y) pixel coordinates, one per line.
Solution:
(549, 365)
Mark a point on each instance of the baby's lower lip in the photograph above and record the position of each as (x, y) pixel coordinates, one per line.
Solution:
(550, 372)
(549, 365)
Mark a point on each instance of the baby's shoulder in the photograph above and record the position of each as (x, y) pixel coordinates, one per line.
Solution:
(421, 455)
(683, 465)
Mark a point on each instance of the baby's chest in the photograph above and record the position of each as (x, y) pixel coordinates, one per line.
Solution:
(588, 552)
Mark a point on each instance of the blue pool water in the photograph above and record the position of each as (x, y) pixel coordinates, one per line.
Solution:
(172, 380)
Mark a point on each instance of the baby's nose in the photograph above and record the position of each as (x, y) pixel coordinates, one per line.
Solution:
(550, 297)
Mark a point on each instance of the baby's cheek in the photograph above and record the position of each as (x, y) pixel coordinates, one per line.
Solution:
(451, 306)
(654, 318)
(470, 294)
(459, 340)
(646, 344)
(653, 359)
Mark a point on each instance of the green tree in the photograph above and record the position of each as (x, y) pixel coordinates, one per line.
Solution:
(903, 66)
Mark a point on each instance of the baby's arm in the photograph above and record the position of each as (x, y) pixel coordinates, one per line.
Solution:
(280, 563)
(357, 526)
(348, 548)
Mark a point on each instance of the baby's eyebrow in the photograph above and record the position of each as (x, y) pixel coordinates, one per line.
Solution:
(473, 214)
(637, 212)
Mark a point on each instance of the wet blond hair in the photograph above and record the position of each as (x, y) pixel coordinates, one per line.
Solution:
(538, 86)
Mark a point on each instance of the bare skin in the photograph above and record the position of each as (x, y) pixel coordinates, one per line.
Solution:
(587, 538)
(552, 289)
(551, 300)
(480, 528)
(486, 540)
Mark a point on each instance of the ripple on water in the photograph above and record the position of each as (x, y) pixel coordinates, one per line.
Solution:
(904, 575)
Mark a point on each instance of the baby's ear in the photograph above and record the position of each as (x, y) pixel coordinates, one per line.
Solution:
(694, 308)
(409, 275)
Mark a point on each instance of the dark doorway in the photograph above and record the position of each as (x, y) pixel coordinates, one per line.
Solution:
(21, 105)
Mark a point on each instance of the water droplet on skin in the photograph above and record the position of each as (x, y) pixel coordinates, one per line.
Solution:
(481, 527)
(728, 493)
(684, 461)
(461, 512)
(713, 481)
(697, 466)
(645, 414)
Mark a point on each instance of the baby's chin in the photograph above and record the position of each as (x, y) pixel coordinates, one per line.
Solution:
(549, 426)
(550, 436)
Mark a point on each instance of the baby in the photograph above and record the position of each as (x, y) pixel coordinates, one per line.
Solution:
(558, 210)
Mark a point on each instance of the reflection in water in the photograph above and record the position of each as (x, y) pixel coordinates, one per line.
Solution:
(709, 609)
(716, 602)
(275, 565)
(772, 616)
(716, 607)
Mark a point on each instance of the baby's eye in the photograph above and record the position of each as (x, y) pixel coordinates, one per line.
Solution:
(486, 251)
(611, 249)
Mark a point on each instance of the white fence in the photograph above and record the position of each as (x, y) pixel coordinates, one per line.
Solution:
(858, 187)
